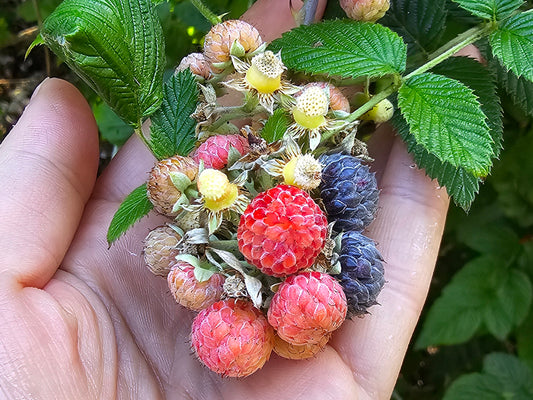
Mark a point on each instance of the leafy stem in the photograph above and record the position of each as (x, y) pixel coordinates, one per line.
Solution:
(206, 12)
(249, 108)
(386, 92)
(461, 41)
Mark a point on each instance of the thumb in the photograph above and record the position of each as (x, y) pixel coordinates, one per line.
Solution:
(48, 165)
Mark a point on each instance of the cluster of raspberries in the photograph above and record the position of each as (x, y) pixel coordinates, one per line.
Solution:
(266, 242)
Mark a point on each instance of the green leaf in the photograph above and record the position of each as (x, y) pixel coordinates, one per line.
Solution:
(28, 12)
(524, 344)
(460, 184)
(518, 88)
(116, 46)
(135, 206)
(512, 44)
(276, 126)
(495, 10)
(446, 118)
(503, 377)
(344, 48)
(172, 129)
(512, 181)
(36, 42)
(483, 292)
(478, 78)
(420, 23)
(490, 238)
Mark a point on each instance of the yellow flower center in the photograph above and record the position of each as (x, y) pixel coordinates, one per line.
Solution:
(304, 172)
(288, 171)
(218, 192)
(311, 107)
(225, 201)
(264, 74)
(308, 121)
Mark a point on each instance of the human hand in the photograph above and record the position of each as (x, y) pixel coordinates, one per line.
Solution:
(80, 320)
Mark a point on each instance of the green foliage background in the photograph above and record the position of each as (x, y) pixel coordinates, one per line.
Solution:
(475, 336)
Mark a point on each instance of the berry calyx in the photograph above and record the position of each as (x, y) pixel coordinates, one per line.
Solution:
(282, 231)
(306, 307)
(232, 338)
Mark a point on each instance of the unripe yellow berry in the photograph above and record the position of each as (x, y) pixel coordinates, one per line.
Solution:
(264, 74)
(303, 171)
(311, 107)
(218, 192)
(381, 112)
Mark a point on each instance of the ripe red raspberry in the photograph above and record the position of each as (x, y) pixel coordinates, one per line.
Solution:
(282, 231)
(190, 293)
(232, 338)
(214, 151)
(306, 307)
(160, 189)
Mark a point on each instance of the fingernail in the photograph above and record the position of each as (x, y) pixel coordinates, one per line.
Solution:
(38, 88)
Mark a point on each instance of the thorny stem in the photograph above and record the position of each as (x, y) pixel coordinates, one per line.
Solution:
(394, 86)
(206, 12)
(227, 114)
(228, 245)
(446, 51)
(248, 109)
(468, 37)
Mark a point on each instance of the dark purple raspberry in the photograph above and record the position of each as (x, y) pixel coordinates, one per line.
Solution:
(362, 271)
(349, 192)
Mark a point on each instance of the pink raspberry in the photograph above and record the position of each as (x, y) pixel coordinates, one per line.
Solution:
(191, 293)
(214, 151)
(307, 307)
(232, 338)
(282, 231)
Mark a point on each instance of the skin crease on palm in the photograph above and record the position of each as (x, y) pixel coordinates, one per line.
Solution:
(84, 321)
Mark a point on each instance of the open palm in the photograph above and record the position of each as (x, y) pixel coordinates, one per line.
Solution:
(79, 320)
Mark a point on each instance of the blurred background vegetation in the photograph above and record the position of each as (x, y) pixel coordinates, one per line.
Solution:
(475, 336)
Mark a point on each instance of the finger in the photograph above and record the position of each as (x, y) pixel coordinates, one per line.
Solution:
(408, 229)
(48, 165)
(273, 17)
(130, 167)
